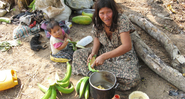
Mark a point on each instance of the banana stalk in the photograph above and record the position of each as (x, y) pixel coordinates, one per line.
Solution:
(74, 44)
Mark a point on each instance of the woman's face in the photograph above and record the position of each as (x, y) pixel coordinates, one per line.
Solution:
(105, 15)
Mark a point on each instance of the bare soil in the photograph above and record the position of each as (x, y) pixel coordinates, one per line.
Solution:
(35, 67)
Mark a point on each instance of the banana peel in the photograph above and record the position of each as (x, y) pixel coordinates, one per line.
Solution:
(92, 60)
(6, 45)
(169, 7)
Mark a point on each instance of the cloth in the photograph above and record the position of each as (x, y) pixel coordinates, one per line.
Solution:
(36, 16)
(65, 53)
(23, 31)
(15, 18)
(124, 67)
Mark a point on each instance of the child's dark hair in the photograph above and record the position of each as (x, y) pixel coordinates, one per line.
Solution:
(51, 25)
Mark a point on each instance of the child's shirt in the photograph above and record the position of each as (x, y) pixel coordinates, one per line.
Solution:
(55, 43)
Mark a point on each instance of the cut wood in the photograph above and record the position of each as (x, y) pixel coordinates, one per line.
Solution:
(170, 74)
(178, 60)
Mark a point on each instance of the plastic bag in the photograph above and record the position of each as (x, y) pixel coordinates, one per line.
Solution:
(2, 5)
(80, 4)
(64, 16)
(54, 9)
(85, 41)
(26, 19)
(2, 12)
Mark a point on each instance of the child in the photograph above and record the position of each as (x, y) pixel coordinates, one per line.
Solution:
(60, 47)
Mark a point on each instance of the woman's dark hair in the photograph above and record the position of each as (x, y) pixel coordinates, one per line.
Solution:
(52, 23)
(98, 23)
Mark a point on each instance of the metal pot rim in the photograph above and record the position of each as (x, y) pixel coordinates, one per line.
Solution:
(103, 89)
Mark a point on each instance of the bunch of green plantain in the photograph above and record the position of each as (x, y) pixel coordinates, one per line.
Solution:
(60, 85)
(82, 87)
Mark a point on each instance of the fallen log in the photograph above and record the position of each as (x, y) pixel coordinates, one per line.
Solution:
(170, 74)
(178, 60)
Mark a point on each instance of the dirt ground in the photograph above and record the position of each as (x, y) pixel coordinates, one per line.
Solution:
(35, 67)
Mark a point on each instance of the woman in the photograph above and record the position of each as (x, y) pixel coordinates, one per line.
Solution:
(113, 46)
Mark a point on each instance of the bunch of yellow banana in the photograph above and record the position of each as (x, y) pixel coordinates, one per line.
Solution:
(82, 87)
(58, 59)
(60, 85)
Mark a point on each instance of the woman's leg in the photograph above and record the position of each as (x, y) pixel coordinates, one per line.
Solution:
(79, 64)
(127, 84)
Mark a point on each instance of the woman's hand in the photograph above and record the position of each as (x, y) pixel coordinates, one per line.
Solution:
(89, 58)
(99, 61)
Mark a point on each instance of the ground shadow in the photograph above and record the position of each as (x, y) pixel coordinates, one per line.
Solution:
(11, 93)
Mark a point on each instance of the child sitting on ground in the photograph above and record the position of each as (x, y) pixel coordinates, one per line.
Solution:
(60, 47)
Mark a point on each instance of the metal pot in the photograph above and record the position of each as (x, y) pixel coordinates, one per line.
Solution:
(105, 79)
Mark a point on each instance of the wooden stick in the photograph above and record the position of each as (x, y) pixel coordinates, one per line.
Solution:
(178, 60)
(173, 76)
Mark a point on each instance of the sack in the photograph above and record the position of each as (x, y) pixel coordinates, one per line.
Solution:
(64, 16)
(79, 4)
(54, 9)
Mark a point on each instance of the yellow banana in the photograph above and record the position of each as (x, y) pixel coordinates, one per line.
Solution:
(58, 59)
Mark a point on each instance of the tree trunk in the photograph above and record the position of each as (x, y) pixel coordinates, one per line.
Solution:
(177, 59)
(156, 64)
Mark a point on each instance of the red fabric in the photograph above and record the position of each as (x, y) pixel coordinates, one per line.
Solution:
(33, 24)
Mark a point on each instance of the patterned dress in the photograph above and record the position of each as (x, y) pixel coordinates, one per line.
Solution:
(124, 67)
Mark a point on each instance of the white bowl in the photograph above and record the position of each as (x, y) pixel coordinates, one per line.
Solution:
(138, 95)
